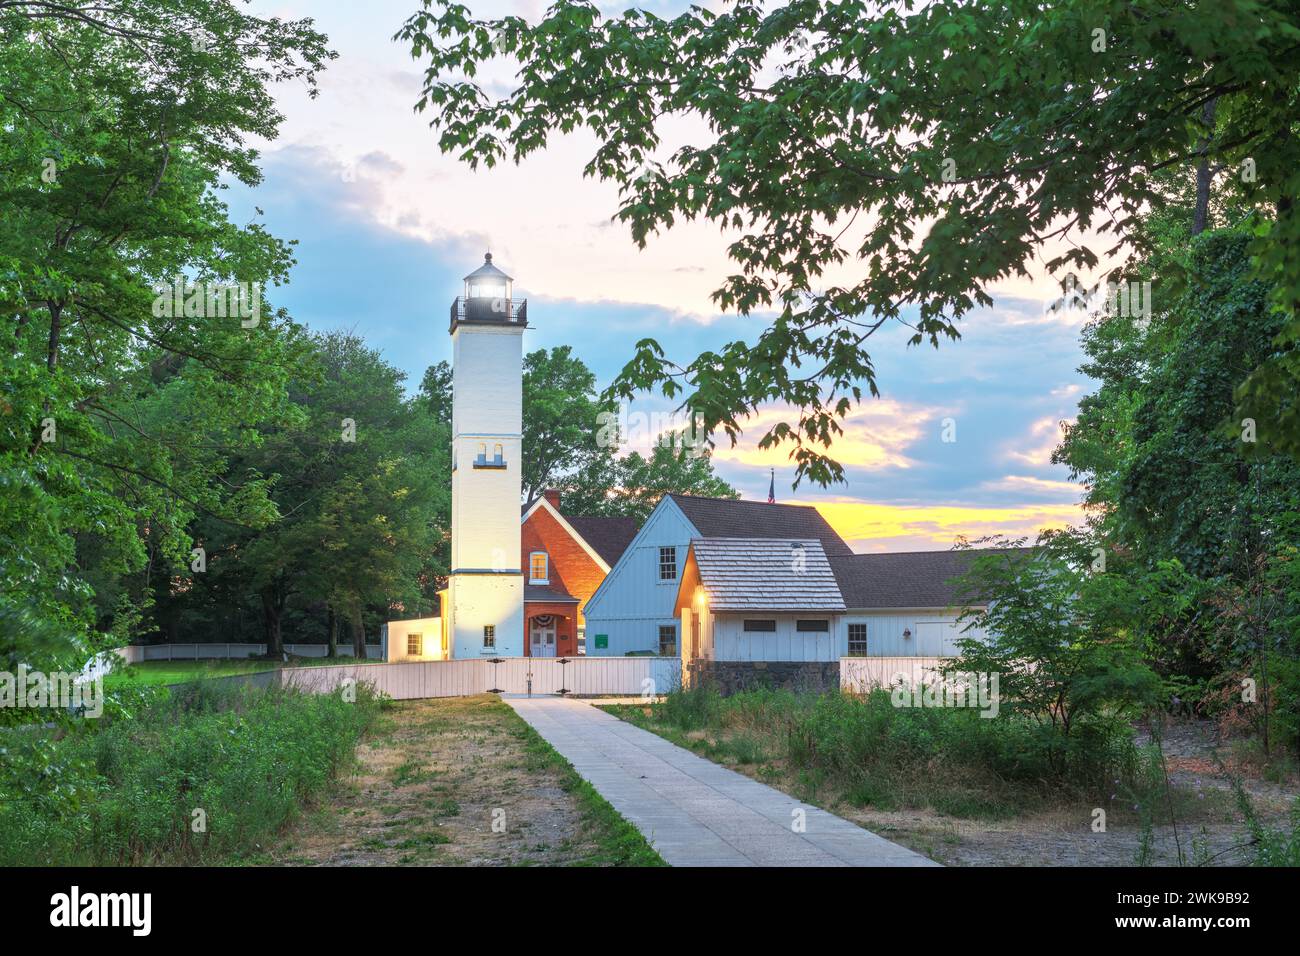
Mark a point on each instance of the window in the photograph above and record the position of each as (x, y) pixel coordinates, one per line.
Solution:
(667, 564)
(857, 640)
(489, 635)
(812, 627)
(582, 641)
(537, 568)
(498, 459)
(762, 626)
(667, 640)
(415, 645)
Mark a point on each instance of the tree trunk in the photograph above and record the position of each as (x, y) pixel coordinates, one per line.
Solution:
(1201, 217)
(271, 622)
(333, 632)
(358, 633)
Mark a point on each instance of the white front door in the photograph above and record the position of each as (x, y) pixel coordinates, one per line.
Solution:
(543, 639)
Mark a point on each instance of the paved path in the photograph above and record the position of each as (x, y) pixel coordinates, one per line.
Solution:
(693, 811)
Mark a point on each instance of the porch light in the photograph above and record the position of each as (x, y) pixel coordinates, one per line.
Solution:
(907, 634)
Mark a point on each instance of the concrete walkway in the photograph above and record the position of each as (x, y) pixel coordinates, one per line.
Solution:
(693, 811)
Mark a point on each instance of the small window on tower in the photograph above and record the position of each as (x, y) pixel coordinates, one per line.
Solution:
(489, 635)
(498, 459)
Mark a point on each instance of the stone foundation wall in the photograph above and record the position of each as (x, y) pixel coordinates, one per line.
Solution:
(732, 676)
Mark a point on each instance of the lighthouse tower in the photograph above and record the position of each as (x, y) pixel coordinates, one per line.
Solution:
(485, 590)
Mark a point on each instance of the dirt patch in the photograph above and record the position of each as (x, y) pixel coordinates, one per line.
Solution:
(444, 782)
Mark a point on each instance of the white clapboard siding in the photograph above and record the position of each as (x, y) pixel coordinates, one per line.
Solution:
(632, 601)
(861, 674)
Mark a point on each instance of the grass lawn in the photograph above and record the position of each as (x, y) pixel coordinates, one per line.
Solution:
(461, 782)
(155, 673)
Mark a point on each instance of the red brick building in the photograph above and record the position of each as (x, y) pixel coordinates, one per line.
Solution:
(565, 559)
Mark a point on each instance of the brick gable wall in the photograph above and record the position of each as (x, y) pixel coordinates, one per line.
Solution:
(571, 568)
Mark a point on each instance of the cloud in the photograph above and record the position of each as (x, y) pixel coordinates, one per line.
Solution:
(1025, 483)
(1036, 448)
(876, 435)
(876, 526)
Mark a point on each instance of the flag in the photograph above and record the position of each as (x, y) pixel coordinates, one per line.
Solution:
(771, 489)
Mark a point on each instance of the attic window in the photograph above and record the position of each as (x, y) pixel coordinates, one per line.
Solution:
(668, 564)
(538, 570)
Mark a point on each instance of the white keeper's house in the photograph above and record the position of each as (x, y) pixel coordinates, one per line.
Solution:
(740, 590)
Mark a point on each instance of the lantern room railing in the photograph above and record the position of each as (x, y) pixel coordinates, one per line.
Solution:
(489, 310)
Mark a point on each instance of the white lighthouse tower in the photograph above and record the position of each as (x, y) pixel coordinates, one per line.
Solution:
(485, 590)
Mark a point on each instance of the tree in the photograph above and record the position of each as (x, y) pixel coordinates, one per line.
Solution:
(1063, 634)
(930, 151)
(117, 417)
(358, 477)
(631, 486)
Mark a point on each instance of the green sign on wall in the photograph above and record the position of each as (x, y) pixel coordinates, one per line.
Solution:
(602, 640)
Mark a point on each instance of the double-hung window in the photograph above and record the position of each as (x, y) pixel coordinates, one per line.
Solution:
(668, 564)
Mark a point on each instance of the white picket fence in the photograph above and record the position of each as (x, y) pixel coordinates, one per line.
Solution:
(861, 674)
(579, 676)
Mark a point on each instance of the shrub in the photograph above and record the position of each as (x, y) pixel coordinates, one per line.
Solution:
(125, 791)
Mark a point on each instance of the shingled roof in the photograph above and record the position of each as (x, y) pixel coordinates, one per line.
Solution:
(608, 537)
(766, 574)
(728, 518)
(902, 579)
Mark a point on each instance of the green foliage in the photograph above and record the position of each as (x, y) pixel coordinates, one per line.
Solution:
(633, 484)
(361, 510)
(1273, 846)
(868, 162)
(1161, 446)
(124, 792)
(120, 128)
(1062, 634)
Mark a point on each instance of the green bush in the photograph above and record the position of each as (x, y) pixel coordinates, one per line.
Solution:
(124, 790)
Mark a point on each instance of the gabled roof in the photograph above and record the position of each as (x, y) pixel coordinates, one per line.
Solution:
(608, 536)
(765, 574)
(917, 579)
(728, 518)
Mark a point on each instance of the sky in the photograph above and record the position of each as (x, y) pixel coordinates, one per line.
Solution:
(387, 226)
